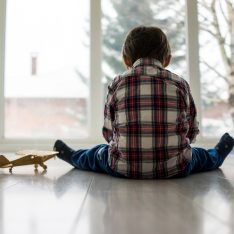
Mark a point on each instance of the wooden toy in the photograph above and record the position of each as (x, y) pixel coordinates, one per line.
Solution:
(28, 157)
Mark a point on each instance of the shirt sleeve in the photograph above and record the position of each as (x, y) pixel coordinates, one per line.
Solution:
(192, 119)
(109, 114)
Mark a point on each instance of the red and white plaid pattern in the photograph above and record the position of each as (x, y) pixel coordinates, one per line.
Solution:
(149, 122)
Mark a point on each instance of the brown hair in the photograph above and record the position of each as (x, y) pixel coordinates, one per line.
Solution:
(142, 42)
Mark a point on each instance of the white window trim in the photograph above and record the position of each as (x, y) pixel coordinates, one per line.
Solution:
(2, 59)
(95, 99)
(192, 56)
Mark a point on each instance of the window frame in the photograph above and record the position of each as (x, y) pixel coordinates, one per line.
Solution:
(192, 57)
(2, 59)
(95, 102)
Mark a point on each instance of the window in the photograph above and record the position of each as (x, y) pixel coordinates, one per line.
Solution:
(119, 17)
(216, 66)
(59, 55)
(46, 69)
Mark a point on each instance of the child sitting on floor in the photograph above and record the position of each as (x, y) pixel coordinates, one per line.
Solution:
(149, 119)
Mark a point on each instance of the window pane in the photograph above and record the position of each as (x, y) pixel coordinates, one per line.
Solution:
(119, 18)
(216, 65)
(47, 69)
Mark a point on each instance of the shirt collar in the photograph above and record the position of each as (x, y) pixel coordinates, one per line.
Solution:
(147, 61)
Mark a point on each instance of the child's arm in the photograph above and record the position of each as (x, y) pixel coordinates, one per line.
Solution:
(193, 123)
(107, 128)
(109, 114)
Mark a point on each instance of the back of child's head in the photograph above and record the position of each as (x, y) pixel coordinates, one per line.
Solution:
(146, 42)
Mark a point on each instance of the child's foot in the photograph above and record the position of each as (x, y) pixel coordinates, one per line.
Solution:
(65, 152)
(225, 145)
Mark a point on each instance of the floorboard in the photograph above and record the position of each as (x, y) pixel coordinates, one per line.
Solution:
(64, 200)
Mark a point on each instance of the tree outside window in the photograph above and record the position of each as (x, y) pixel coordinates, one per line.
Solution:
(216, 22)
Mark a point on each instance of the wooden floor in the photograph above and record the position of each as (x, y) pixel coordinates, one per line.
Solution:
(65, 200)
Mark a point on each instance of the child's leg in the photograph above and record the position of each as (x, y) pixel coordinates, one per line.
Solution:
(205, 160)
(94, 159)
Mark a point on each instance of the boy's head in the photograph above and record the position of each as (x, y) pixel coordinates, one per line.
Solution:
(146, 42)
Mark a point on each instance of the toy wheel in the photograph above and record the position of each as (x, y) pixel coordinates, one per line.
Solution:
(44, 166)
(10, 170)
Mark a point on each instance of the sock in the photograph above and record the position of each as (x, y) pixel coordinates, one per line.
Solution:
(225, 145)
(65, 152)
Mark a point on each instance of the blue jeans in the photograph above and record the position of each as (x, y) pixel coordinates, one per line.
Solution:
(94, 159)
(203, 160)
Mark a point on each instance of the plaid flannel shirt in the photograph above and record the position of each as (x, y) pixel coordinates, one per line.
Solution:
(149, 122)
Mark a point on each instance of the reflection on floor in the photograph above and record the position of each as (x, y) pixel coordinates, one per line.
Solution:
(64, 200)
